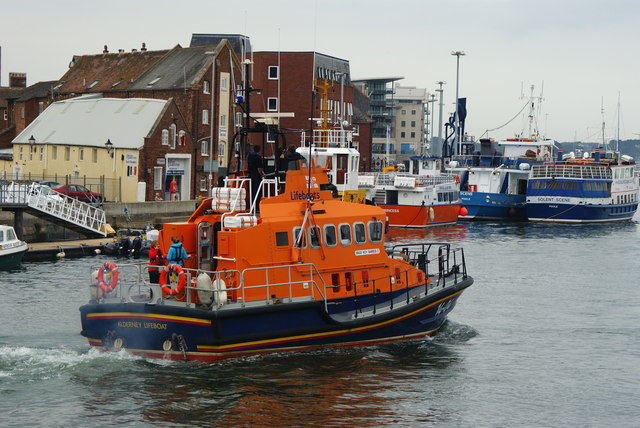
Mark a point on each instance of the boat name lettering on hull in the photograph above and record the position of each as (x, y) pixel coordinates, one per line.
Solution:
(139, 324)
(367, 252)
(542, 199)
(391, 210)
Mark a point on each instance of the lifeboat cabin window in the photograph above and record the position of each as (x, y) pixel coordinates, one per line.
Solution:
(299, 241)
(360, 234)
(282, 239)
(330, 235)
(314, 236)
(375, 231)
(345, 234)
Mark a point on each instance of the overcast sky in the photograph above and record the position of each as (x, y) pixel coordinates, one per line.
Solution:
(584, 52)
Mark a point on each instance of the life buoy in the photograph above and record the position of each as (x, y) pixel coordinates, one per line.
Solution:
(167, 284)
(457, 179)
(108, 277)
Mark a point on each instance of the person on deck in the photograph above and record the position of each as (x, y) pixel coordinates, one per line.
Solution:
(177, 253)
(294, 159)
(155, 259)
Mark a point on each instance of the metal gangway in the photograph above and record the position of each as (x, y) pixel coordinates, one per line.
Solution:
(42, 201)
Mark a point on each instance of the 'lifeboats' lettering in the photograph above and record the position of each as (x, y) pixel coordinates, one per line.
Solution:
(298, 196)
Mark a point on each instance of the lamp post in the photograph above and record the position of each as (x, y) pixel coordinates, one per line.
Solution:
(109, 146)
(211, 89)
(441, 105)
(457, 54)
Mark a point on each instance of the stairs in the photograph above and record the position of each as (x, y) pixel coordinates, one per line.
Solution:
(61, 209)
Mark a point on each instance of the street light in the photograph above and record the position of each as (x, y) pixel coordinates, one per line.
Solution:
(109, 146)
(32, 144)
(441, 105)
(457, 54)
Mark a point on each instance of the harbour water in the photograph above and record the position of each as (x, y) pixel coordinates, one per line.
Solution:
(547, 336)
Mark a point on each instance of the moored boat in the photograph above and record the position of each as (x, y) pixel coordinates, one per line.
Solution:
(422, 199)
(494, 174)
(12, 249)
(597, 189)
(310, 271)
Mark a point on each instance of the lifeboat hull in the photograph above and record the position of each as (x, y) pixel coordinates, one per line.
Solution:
(421, 216)
(164, 331)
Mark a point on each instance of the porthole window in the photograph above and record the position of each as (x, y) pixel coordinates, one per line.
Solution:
(359, 233)
(330, 235)
(299, 241)
(375, 231)
(345, 234)
(314, 236)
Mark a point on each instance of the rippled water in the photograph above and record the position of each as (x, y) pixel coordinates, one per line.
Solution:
(547, 336)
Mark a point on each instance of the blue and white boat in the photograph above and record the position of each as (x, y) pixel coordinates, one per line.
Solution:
(602, 188)
(494, 174)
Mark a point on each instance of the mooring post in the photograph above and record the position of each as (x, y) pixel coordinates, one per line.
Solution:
(18, 223)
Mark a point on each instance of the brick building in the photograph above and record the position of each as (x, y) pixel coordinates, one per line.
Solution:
(194, 78)
(283, 82)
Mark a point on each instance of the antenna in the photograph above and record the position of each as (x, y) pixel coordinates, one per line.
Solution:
(602, 113)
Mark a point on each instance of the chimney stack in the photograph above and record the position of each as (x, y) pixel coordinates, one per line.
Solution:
(144, 47)
(105, 51)
(18, 80)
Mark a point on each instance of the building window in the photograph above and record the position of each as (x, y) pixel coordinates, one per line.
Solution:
(165, 137)
(182, 138)
(41, 153)
(404, 112)
(413, 135)
(402, 134)
(205, 148)
(40, 107)
(80, 155)
(67, 153)
(157, 178)
(223, 83)
(21, 152)
(4, 114)
(239, 119)
(205, 117)
(413, 112)
(54, 152)
(22, 113)
(272, 104)
(203, 184)
(403, 123)
(206, 87)
(172, 138)
(94, 156)
(413, 123)
(273, 72)
(356, 129)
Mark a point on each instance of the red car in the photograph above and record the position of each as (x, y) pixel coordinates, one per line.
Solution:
(80, 193)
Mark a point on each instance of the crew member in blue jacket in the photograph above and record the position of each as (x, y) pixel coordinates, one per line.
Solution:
(176, 253)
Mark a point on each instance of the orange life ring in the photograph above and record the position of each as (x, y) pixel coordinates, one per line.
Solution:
(108, 277)
(457, 179)
(165, 279)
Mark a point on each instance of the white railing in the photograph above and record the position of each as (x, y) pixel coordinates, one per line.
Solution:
(389, 179)
(63, 207)
(602, 172)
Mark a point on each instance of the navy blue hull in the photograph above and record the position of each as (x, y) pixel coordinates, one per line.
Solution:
(196, 334)
(570, 213)
(493, 206)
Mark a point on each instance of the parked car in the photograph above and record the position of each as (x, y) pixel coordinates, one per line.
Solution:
(52, 184)
(80, 193)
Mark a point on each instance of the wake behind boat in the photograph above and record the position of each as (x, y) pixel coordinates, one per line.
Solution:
(311, 271)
